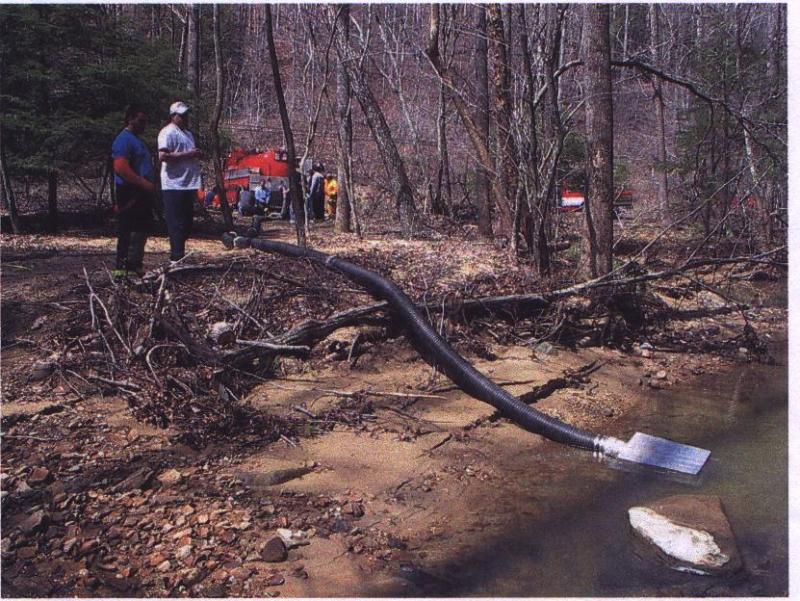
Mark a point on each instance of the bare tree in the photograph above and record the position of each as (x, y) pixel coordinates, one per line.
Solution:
(7, 190)
(344, 130)
(482, 188)
(656, 50)
(392, 161)
(295, 190)
(599, 203)
(219, 72)
(476, 137)
(193, 51)
(506, 153)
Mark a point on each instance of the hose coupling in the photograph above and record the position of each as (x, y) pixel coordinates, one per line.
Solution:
(241, 242)
(608, 445)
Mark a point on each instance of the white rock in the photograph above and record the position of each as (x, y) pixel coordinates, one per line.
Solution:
(696, 547)
(222, 333)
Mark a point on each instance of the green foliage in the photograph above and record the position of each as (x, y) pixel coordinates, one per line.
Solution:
(68, 72)
(573, 161)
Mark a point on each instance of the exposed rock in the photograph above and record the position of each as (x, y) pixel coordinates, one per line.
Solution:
(164, 566)
(38, 475)
(661, 375)
(41, 370)
(222, 333)
(37, 521)
(354, 509)
(184, 552)
(274, 550)
(258, 480)
(170, 476)
(292, 539)
(689, 533)
(139, 479)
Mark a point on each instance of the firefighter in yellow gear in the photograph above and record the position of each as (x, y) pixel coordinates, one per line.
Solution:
(331, 190)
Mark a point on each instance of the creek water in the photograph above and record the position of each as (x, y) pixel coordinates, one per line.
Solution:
(583, 546)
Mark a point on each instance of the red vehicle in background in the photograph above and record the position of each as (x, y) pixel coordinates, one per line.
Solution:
(249, 168)
(570, 200)
(573, 200)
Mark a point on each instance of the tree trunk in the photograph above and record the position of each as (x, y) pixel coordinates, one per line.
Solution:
(193, 52)
(6, 189)
(52, 201)
(482, 189)
(662, 191)
(599, 136)
(625, 33)
(478, 141)
(393, 163)
(294, 176)
(219, 72)
(344, 158)
(501, 99)
(440, 200)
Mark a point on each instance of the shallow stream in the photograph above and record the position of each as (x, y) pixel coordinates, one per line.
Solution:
(585, 547)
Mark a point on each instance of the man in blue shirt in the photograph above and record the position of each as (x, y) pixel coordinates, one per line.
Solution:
(133, 177)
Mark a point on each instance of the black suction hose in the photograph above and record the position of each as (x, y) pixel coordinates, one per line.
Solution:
(436, 349)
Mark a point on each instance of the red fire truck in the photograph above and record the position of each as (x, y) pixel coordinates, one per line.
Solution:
(249, 168)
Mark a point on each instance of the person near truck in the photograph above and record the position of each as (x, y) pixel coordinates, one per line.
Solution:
(331, 190)
(262, 197)
(315, 202)
(180, 177)
(246, 202)
(133, 179)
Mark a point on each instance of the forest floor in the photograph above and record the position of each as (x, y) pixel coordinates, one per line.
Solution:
(125, 474)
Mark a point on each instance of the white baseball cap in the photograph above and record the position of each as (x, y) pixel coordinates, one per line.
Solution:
(178, 108)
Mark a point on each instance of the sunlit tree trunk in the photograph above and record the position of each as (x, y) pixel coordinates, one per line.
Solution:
(501, 101)
(219, 72)
(599, 137)
(345, 133)
(482, 188)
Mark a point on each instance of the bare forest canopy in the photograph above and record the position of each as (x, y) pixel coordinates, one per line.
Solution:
(481, 114)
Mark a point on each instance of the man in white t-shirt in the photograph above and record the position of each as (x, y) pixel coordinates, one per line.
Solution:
(180, 177)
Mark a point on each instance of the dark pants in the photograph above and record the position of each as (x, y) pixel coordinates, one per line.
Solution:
(318, 205)
(178, 212)
(135, 221)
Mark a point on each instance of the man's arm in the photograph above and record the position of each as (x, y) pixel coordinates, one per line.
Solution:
(123, 169)
(168, 156)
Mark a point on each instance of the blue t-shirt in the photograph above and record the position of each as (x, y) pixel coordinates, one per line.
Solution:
(129, 146)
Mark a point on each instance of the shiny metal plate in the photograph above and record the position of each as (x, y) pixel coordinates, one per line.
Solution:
(660, 452)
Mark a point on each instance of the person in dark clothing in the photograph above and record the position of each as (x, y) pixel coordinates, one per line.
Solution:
(316, 194)
(247, 202)
(133, 178)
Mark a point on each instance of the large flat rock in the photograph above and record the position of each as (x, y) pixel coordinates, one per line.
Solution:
(689, 533)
